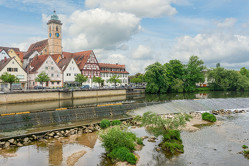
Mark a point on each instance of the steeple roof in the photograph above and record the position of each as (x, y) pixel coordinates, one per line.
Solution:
(54, 19)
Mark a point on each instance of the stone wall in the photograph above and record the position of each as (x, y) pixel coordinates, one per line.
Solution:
(22, 97)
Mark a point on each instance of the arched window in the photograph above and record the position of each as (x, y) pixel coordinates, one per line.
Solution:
(56, 28)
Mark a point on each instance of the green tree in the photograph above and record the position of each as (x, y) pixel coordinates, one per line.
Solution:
(156, 78)
(98, 80)
(244, 71)
(193, 73)
(175, 71)
(80, 78)
(114, 79)
(138, 78)
(9, 78)
(42, 77)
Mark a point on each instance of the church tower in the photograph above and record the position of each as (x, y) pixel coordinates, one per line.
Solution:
(54, 35)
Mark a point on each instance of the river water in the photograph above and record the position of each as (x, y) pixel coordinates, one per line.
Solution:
(211, 145)
(51, 105)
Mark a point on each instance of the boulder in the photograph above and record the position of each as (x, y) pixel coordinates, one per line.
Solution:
(6, 145)
(11, 141)
(19, 144)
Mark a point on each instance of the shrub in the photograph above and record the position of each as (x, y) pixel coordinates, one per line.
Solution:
(123, 154)
(246, 152)
(208, 117)
(116, 122)
(115, 138)
(172, 147)
(244, 146)
(140, 141)
(172, 135)
(105, 123)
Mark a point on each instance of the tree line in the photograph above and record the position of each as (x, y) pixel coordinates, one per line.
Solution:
(175, 76)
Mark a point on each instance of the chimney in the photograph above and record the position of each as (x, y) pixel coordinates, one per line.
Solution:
(5, 59)
(36, 57)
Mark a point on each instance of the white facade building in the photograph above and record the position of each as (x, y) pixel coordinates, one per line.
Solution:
(109, 70)
(11, 66)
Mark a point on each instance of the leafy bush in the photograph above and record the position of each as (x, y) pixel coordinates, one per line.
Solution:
(140, 141)
(172, 135)
(115, 138)
(172, 147)
(119, 153)
(208, 117)
(246, 152)
(116, 122)
(123, 154)
(244, 147)
(105, 123)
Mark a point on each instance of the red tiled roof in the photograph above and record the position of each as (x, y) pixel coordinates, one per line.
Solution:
(20, 55)
(37, 62)
(79, 57)
(63, 63)
(115, 66)
(4, 62)
(28, 54)
(8, 48)
(38, 46)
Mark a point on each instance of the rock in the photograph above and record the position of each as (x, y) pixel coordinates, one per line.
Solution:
(34, 137)
(19, 144)
(90, 131)
(56, 136)
(11, 141)
(26, 139)
(71, 160)
(62, 132)
(91, 128)
(144, 137)
(51, 134)
(124, 123)
(158, 149)
(133, 127)
(6, 145)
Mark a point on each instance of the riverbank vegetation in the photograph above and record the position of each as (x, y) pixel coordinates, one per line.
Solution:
(175, 76)
(208, 117)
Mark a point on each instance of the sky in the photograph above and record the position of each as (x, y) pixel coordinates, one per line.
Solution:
(136, 33)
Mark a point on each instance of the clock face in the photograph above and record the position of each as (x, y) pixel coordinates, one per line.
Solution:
(57, 34)
(50, 34)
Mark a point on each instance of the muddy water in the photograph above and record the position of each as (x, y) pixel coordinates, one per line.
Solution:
(211, 145)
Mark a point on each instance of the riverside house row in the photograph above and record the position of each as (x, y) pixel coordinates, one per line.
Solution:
(62, 67)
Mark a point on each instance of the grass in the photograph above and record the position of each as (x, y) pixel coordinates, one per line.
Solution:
(123, 154)
(105, 123)
(116, 122)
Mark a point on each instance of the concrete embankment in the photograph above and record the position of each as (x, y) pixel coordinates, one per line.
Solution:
(31, 96)
(9, 122)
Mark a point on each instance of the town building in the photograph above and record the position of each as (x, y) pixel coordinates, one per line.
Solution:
(11, 66)
(70, 69)
(109, 70)
(10, 52)
(44, 63)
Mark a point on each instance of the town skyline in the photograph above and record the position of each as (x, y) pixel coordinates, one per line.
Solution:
(125, 34)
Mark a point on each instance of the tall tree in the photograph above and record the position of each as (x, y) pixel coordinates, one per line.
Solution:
(98, 80)
(244, 71)
(80, 78)
(175, 71)
(9, 78)
(138, 78)
(42, 77)
(193, 73)
(114, 79)
(156, 78)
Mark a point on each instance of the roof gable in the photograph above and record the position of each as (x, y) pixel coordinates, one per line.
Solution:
(8, 48)
(4, 62)
(38, 46)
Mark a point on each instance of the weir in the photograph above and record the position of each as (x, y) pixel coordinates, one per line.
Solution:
(181, 106)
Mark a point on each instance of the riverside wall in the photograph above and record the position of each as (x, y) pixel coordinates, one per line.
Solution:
(31, 96)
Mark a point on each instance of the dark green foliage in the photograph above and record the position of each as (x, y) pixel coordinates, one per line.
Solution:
(244, 147)
(105, 123)
(140, 141)
(9, 78)
(123, 154)
(156, 78)
(246, 152)
(172, 135)
(116, 122)
(115, 138)
(208, 117)
(173, 147)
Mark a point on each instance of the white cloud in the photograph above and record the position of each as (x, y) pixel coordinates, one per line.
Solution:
(228, 22)
(99, 29)
(213, 48)
(23, 46)
(141, 8)
(142, 52)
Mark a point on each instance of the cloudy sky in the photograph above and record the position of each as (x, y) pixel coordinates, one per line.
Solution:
(136, 32)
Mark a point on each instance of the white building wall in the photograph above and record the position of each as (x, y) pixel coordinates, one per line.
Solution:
(122, 77)
(18, 72)
(3, 54)
(71, 71)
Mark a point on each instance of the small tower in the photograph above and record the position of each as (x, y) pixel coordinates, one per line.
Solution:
(54, 35)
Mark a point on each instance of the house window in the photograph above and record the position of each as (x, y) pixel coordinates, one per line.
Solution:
(52, 75)
(68, 74)
(52, 68)
(51, 62)
(46, 62)
(58, 82)
(15, 69)
(8, 69)
(75, 74)
(13, 62)
(52, 83)
(56, 28)
(46, 68)
(57, 75)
